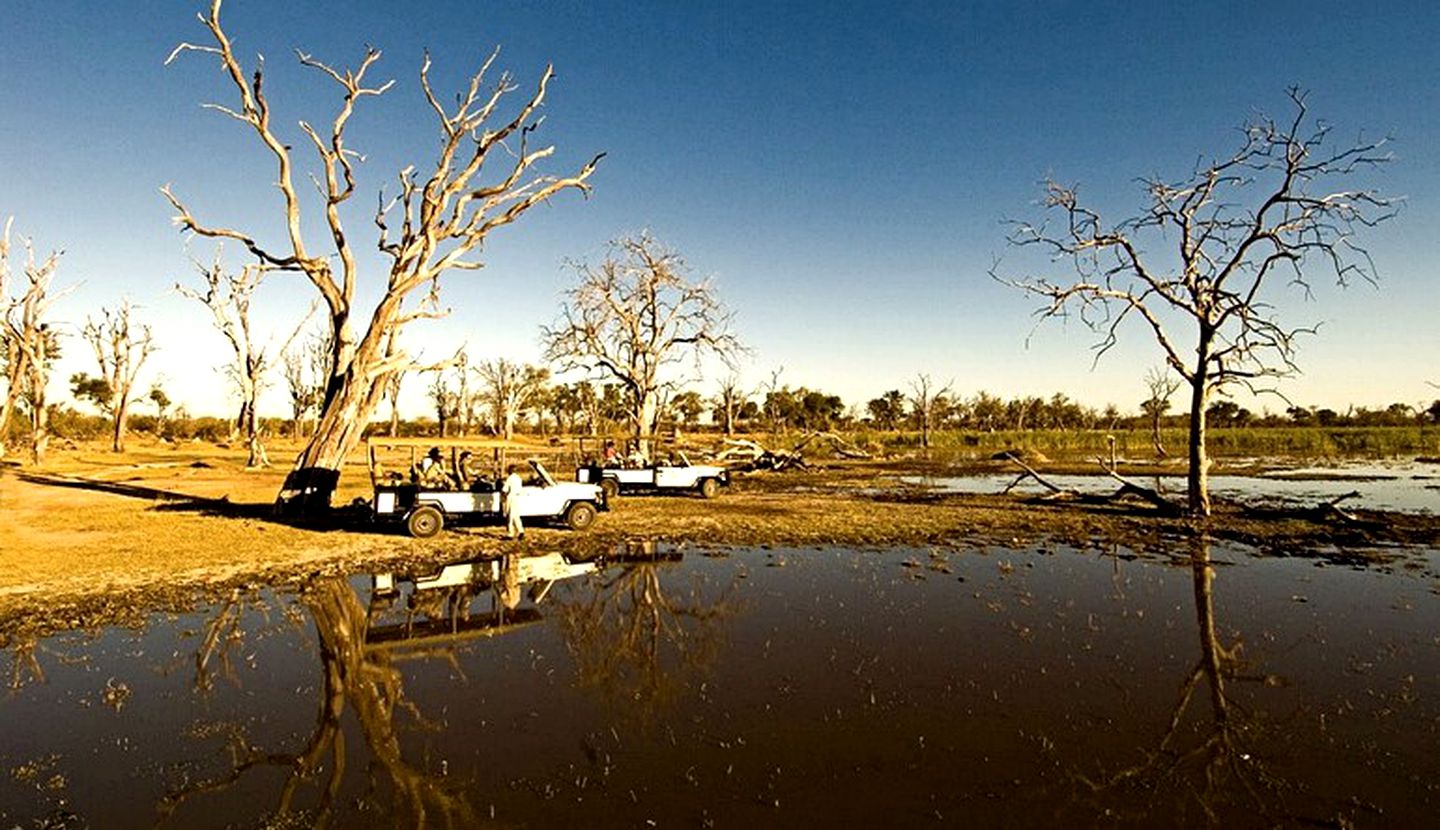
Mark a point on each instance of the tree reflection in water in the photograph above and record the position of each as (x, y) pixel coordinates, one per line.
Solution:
(639, 644)
(368, 681)
(1211, 761)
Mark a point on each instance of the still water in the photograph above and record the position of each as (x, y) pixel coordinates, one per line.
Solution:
(761, 688)
(1402, 486)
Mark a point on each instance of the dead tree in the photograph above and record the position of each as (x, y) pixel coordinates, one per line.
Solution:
(228, 296)
(636, 315)
(1269, 213)
(28, 345)
(392, 394)
(121, 347)
(444, 216)
(925, 399)
(1161, 386)
(729, 402)
(443, 399)
(508, 389)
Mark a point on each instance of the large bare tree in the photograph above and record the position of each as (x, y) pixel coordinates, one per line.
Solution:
(1238, 230)
(228, 296)
(121, 347)
(635, 316)
(439, 218)
(28, 344)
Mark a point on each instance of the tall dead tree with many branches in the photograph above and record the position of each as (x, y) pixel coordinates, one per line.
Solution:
(444, 215)
(228, 297)
(1267, 217)
(28, 345)
(121, 347)
(636, 315)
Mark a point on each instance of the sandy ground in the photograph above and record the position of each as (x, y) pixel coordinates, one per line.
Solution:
(94, 526)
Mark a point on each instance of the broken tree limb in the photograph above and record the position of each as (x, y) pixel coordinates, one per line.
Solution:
(1332, 508)
(1030, 472)
(1127, 488)
(1130, 488)
(745, 454)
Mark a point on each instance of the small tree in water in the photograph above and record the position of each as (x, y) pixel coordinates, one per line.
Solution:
(1270, 212)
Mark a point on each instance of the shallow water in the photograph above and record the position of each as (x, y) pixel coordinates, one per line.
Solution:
(1402, 487)
(770, 688)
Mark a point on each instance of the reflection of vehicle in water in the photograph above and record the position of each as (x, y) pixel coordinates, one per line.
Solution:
(439, 607)
(451, 487)
(672, 474)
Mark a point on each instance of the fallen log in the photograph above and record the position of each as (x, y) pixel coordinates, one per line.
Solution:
(1127, 488)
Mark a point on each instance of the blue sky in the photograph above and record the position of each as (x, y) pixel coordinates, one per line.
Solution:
(841, 170)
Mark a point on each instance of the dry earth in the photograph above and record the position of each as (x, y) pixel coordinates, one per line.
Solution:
(92, 531)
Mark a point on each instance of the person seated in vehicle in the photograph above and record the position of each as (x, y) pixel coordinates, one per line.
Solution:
(636, 459)
(464, 475)
(610, 457)
(430, 472)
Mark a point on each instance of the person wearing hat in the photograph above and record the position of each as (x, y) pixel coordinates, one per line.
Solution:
(432, 471)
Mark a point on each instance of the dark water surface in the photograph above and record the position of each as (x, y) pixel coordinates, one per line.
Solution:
(764, 688)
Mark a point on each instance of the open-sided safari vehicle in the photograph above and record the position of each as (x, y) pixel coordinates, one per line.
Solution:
(672, 473)
(462, 486)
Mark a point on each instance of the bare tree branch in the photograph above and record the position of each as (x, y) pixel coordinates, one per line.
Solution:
(1273, 207)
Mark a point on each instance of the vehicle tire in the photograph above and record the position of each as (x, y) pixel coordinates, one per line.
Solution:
(709, 488)
(425, 521)
(580, 515)
(610, 487)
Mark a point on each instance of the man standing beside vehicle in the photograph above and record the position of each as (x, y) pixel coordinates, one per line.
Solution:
(509, 502)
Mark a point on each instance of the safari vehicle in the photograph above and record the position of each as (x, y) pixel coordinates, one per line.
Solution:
(670, 475)
(466, 488)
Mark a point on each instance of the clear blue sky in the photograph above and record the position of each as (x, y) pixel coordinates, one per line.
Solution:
(840, 169)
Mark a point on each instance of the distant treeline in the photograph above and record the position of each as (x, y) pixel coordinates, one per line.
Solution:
(953, 420)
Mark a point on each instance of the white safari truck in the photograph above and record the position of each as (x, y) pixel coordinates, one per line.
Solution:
(676, 476)
(465, 488)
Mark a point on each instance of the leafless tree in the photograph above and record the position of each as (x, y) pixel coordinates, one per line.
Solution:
(728, 403)
(507, 388)
(1161, 386)
(445, 216)
(228, 296)
(392, 394)
(28, 345)
(633, 316)
(925, 400)
(771, 390)
(121, 347)
(443, 398)
(305, 364)
(1272, 212)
